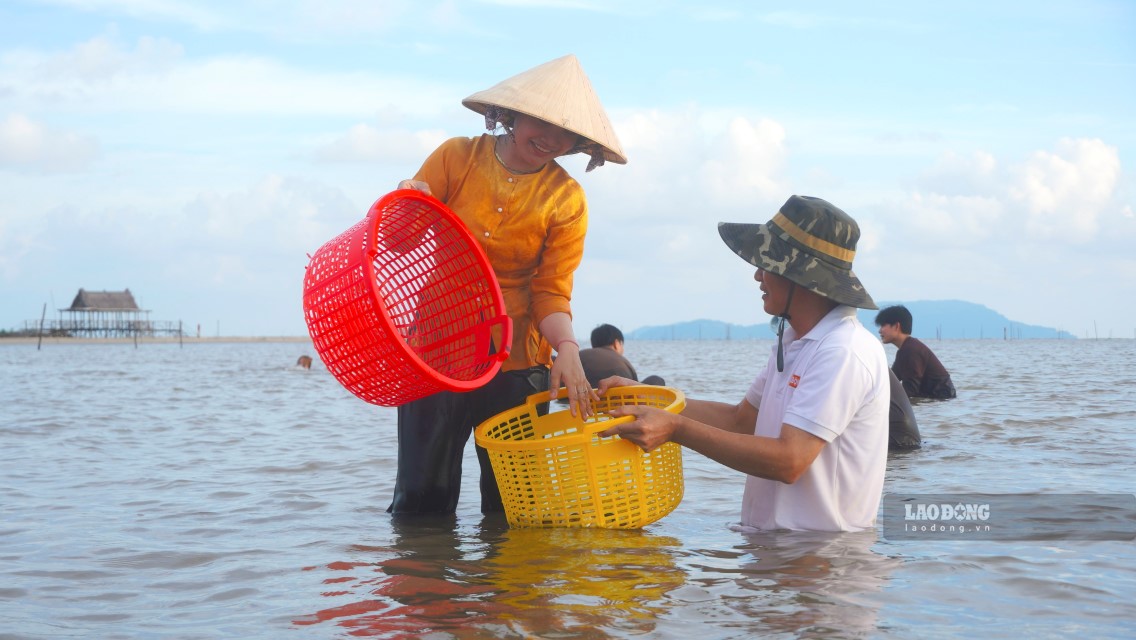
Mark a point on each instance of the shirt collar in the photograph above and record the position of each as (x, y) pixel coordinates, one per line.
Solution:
(838, 314)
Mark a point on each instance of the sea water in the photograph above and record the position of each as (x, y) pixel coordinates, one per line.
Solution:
(214, 490)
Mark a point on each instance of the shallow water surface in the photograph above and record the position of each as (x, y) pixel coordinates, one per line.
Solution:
(215, 491)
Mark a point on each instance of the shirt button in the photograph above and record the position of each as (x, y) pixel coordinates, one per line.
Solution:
(510, 179)
(499, 209)
(486, 234)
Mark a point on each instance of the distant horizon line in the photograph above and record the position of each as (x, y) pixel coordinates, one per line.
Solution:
(58, 340)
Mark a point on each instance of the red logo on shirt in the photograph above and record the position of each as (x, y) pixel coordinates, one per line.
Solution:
(794, 380)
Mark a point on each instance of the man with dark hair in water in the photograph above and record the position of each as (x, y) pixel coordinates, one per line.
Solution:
(605, 358)
(916, 366)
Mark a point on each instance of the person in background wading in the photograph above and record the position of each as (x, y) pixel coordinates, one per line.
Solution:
(919, 370)
(903, 431)
(605, 358)
(531, 218)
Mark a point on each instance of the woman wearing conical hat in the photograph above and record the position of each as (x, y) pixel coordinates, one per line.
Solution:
(530, 217)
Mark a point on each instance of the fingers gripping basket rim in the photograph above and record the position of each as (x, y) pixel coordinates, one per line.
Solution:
(405, 303)
(554, 470)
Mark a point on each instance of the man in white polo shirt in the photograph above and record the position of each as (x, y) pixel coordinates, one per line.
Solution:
(812, 431)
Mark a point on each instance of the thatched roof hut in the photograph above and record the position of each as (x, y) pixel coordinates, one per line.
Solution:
(108, 314)
(104, 301)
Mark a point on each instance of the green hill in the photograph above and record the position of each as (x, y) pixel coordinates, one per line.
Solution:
(934, 319)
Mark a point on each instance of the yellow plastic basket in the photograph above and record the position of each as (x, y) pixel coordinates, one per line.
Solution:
(554, 471)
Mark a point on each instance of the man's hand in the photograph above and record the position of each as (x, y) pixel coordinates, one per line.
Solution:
(651, 428)
(614, 381)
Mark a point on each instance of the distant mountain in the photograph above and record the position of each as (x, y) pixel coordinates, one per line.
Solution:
(934, 319)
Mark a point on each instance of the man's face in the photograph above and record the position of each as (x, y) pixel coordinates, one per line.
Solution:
(889, 333)
(775, 290)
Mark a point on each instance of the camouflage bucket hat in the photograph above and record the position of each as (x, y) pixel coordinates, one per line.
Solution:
(809, 242)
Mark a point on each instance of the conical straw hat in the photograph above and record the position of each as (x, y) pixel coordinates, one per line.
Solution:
(558, 92)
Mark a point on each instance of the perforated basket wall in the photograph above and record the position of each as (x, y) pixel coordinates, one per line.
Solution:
(405, 304)
(554, 471)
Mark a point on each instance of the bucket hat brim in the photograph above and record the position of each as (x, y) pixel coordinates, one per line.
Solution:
(804, 254)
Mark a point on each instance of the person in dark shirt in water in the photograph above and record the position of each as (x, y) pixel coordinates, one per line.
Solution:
(916, 366)
(903, 432)
(605, 358)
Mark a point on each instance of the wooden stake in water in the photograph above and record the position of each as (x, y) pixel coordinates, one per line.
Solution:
(43, 315)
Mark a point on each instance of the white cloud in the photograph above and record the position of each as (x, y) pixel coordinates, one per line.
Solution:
(339, 16)
(951, 220)
(977, 174)
(653, 253)
(1064, 192)
(748, 161)
(246, 245)
(27, 145)
(367, 143)
(1051, 195)
(685, 163)
(192, 13)
(277, 214)
(154, 75)
(16, 243)
(981, 228)
(100, 59)
(293, 20)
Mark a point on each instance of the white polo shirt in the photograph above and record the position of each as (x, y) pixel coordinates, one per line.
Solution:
(836, 387)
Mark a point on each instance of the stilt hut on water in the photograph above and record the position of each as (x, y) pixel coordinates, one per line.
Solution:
(105, 314)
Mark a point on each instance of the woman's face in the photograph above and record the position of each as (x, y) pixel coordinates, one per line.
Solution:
(537, 142)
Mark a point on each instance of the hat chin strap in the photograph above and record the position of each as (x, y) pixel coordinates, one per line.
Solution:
(781, 328)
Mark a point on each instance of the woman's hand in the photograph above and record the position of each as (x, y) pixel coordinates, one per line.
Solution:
(568, 371)
(417, 185)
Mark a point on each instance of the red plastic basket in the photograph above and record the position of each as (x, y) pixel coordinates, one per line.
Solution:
(405, 304)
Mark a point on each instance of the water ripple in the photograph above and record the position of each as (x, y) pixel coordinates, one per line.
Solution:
(215, 491)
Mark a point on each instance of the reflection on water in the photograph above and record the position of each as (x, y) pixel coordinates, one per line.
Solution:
(573, 579)
(798, 584)
(501, 582)
(494, 582)
(428, 579)
(218, 491)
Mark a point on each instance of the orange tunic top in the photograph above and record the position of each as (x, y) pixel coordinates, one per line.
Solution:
(531, 226)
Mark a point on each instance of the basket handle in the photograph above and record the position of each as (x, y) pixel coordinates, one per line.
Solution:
(485, 337)
(542, 397)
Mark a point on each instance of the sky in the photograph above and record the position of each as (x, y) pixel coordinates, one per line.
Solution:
(198, 152)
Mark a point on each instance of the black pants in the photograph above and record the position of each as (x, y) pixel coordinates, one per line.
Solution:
(433, 432)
